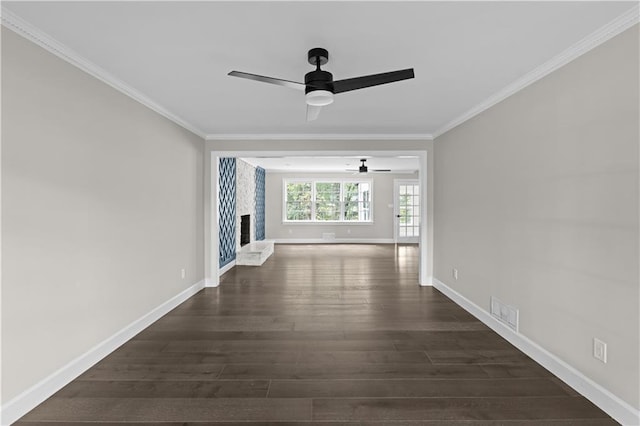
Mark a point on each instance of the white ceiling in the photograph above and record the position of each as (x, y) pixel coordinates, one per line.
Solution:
(176, 56)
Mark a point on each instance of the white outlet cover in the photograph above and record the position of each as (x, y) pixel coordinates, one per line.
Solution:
(599, 350)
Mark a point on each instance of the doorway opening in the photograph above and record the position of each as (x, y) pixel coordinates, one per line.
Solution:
(424, 238)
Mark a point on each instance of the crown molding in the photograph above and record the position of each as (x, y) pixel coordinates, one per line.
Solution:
(605, 33)
(16, 24)
(319, 136)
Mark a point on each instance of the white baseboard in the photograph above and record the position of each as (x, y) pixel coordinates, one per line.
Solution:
(334, 241)
(225, 268)
(36, 394)
(620, 410)
(211, 283)
(427, 282)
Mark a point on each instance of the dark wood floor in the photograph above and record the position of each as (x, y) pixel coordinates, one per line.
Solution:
(328, 334)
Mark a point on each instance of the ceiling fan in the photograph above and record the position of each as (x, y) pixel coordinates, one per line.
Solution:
(364, 169)
(319, 86)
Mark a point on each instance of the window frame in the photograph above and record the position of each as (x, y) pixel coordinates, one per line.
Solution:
(314, 182)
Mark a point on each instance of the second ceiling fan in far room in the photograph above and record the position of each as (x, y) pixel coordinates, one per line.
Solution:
(364, 169)
(319, 86)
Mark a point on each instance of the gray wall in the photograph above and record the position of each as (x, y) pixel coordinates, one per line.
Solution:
(102, 208)
(536, 203)
(381, 228)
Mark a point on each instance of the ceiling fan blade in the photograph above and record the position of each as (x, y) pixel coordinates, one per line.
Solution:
(263, 79)
(312, 112)
(379, 170)
(371, 80)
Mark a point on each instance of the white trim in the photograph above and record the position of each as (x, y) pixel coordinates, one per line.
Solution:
(214, 237)
(224, 269)
(30, 398)
(426, 238)
(336, 241)
(11, 21)
(318, 137)
(620, 410)
(338, 172)
(211, 283)
(427, 282)
(325, 222)
(351, 152)
(593, 40)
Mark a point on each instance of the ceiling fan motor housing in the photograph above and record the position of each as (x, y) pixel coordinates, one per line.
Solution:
(318, 79)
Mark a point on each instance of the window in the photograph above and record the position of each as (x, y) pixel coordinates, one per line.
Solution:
(298, 204)
(357, 201)
(327, 201)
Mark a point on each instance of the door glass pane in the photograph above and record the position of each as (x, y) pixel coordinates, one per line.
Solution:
(408, 210)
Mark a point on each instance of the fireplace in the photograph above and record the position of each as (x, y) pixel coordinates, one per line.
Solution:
(245, 229)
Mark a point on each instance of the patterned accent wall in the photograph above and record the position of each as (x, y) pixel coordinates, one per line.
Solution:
(260, 189)
(227, 209)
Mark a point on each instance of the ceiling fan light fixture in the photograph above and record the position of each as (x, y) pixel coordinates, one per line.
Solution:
(319, 98)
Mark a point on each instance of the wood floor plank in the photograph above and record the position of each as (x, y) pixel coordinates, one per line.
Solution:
(165, 389)
(414, 388)
(362, 357)
(319, 335)
(230, 357)
(164, 371)
(477, 356)
(350, 371)
(165, 336)
(278, 345)
(202, 423)
(486, 408)
(171, 409)
(581, 422)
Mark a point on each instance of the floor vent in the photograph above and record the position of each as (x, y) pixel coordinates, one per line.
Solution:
(505, 314)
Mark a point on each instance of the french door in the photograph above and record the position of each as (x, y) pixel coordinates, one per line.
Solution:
(406, 210)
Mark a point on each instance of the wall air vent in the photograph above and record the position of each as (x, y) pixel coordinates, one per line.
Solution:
(506, 314)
